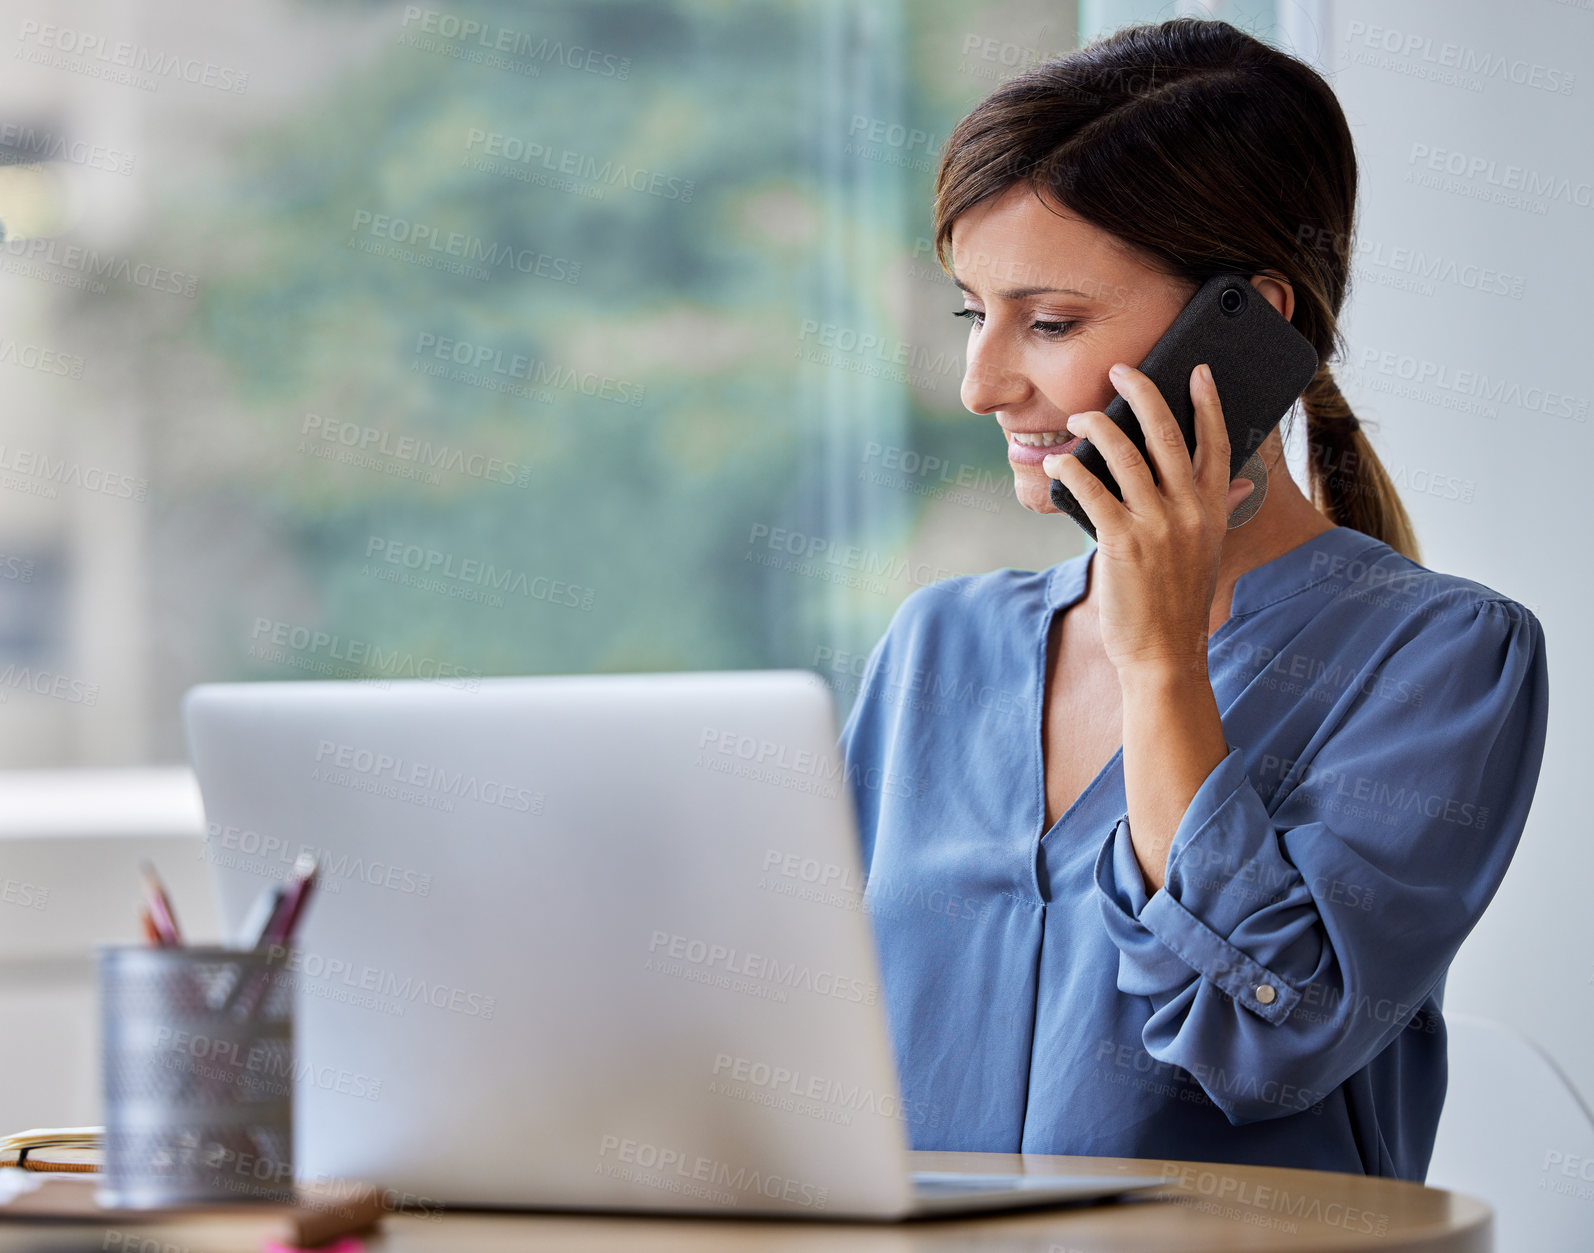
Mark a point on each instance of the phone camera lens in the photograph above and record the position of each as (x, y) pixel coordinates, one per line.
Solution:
(1232, 300)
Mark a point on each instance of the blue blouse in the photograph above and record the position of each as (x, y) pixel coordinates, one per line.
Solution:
(1277, 1001)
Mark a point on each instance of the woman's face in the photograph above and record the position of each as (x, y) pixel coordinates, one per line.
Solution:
(1055, 302)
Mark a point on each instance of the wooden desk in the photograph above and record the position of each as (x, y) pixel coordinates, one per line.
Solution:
(1205, 1207)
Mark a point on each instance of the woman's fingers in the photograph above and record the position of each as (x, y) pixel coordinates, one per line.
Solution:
(1128, 467)
(1101, 507)
(1165, 442)
(1211, 465)
(1179, 479)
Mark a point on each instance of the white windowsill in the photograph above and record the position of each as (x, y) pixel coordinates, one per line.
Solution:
(135, 801)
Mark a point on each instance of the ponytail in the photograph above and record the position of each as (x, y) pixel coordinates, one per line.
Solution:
(1348, 481)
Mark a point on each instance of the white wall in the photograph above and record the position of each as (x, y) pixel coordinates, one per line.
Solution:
(70, 847)
(1503, 499)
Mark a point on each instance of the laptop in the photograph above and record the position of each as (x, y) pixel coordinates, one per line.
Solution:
(579, 942)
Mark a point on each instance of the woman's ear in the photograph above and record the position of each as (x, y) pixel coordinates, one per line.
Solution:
(1276, 289)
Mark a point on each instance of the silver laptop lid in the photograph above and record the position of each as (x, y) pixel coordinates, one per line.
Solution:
(584, 941)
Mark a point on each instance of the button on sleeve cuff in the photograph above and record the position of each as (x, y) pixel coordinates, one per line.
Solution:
(1162, 939)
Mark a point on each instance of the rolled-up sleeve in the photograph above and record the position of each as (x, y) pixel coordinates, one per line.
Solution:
(1295, 937)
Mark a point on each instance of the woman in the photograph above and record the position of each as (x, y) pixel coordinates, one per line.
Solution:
(1256, 773)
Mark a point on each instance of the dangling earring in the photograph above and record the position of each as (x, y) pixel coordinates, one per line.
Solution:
(1254, 470)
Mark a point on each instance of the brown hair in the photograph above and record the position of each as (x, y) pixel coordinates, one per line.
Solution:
(1205, 150)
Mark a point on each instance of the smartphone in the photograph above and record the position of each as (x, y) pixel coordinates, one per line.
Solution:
(1259, 361)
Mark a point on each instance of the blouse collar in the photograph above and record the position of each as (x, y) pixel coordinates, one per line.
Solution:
(1303, 566)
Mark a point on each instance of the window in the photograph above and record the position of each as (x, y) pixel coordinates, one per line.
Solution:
(380, 340)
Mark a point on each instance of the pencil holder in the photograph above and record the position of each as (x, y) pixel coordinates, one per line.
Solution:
(197, 1069)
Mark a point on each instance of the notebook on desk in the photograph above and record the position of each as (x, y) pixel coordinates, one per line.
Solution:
(583, 942)
(59, 1150)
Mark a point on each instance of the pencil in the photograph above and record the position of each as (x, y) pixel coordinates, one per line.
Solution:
(160, 908)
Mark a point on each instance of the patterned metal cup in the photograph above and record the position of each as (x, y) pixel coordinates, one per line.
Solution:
(197, 1064)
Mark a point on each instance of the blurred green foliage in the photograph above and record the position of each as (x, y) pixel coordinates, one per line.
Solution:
(316, 317)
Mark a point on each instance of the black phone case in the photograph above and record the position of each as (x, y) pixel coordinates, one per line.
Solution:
(1259, 361)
